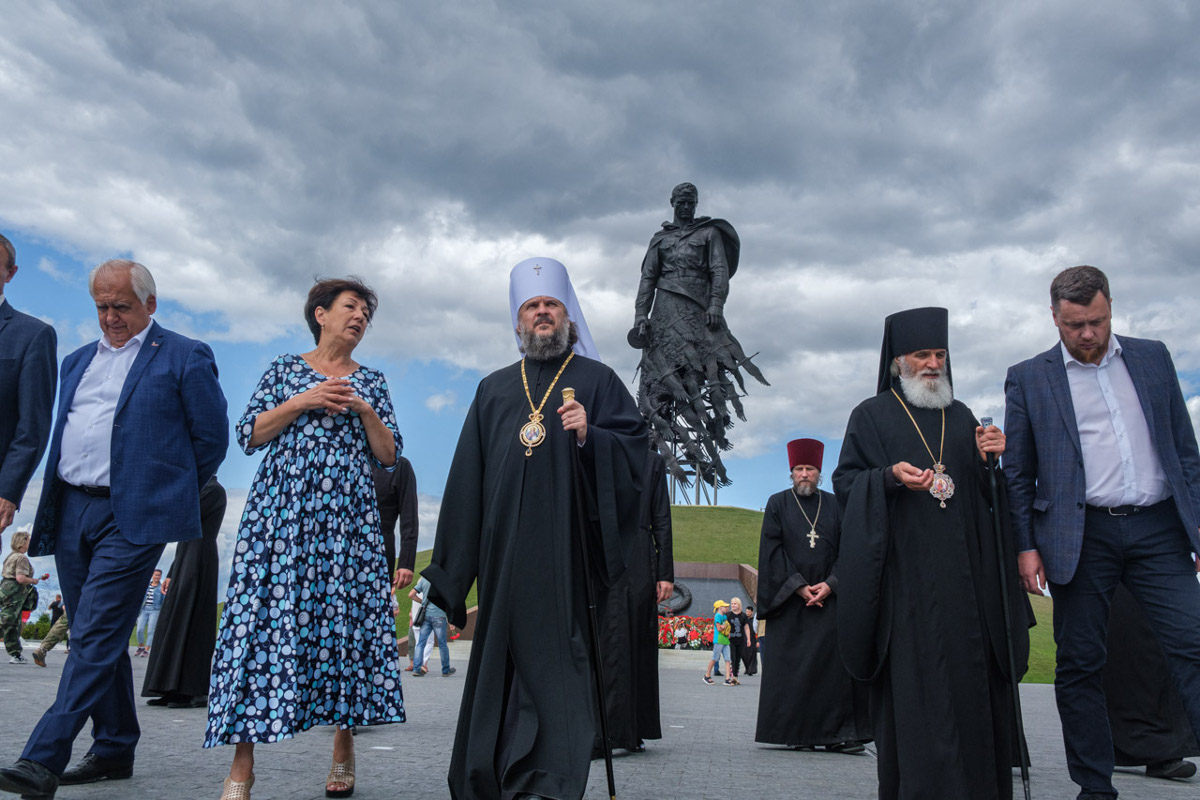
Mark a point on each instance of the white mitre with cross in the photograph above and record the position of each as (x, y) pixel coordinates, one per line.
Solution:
(545, 277)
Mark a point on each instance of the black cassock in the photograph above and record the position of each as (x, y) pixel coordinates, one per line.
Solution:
(527, 720)
(919, 612)
(629, 618)
(807, 696)
(181, 659)
(1144, 709)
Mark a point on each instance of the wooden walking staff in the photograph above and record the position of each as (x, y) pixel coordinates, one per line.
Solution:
(581, 523)
(1014, 681)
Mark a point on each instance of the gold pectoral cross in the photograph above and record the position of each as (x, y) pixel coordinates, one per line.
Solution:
(812, 537)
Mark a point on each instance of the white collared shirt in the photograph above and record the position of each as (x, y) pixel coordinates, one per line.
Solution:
(1120, 462)
(87, 437)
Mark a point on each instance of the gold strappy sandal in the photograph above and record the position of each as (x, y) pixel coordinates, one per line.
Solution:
(340, 774)
(237, 790)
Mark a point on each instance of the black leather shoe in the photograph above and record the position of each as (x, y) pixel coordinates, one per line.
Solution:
(93, 768)
(29, 779)
(1176, 768)
(849, 748)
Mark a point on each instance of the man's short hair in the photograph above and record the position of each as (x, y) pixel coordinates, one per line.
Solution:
(684, 189)
(324, 292)
(139, 277)
(1078, 285)
(10, 253)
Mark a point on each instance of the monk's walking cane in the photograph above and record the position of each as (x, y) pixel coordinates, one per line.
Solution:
(581, 522)
(1014, 681)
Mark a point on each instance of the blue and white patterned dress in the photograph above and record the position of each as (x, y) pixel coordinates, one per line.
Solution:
(307, 636)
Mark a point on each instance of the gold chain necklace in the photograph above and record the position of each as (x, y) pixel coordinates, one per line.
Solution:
(812, 523)
(943, 484)
(533, 432)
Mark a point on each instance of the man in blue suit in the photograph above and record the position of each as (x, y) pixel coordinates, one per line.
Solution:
(27, 376)
(1104, 480)
(141, 427)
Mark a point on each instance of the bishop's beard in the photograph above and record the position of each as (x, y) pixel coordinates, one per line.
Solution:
(545, 348)
(925, 392)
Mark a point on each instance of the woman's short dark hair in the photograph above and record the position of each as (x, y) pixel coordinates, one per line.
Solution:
(324, 292)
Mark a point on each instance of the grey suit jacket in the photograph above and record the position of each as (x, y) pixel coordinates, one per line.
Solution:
(28, 375)
(1043, 459)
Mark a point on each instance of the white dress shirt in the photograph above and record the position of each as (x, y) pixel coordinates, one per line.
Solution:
(87, 438)
(1120, 463)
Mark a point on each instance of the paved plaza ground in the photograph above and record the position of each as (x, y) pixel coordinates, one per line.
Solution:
(707, 751)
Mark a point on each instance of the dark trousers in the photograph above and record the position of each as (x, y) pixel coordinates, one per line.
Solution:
(737, 646)
(1149, 553)
(103, 577)
(750, 656)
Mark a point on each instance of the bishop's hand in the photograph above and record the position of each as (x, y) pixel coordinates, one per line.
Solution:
(919, 480)
(574, 418)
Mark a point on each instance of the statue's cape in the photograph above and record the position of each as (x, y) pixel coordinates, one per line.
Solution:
(733, 245)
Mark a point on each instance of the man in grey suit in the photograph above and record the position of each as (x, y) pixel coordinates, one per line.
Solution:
(1104, 480)
(28, 374)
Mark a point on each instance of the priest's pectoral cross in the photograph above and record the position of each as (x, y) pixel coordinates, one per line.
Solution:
(812, 537)
(537, 268)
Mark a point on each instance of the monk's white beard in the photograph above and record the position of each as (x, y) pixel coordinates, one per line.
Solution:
(544, 348)
(924, 392)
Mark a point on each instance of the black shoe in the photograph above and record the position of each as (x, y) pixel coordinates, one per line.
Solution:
(640, 747)
(29, 779)
(449, 672)
(184, 701)
(1176, 768)
(162, 702)
(1095, 796)
(93, 768)
(848, 748)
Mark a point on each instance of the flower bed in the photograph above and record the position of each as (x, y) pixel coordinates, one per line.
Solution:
(699, 632)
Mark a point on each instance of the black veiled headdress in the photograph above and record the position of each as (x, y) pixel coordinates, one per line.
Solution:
(908, 331)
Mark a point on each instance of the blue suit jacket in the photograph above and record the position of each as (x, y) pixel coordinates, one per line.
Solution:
(170, 433)
(1043, 459)
(28, 371)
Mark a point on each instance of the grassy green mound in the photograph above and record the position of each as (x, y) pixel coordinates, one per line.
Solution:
(727, 535)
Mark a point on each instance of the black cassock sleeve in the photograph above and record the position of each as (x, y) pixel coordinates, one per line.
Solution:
(861, 482)
(454, 568)
(778, 577)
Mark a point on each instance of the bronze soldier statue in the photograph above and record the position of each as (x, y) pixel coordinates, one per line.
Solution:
(690, 359)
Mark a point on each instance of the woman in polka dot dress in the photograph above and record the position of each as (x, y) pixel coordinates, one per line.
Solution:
(307, 636)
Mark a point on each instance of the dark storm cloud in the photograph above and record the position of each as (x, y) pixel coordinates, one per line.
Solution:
(874, 156)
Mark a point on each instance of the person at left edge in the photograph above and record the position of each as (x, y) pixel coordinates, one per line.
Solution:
(27, 378)
(141, 427)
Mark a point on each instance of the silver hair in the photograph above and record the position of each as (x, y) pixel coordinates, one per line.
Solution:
(139, 276)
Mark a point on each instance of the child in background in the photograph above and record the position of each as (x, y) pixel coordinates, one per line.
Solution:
(720, 644)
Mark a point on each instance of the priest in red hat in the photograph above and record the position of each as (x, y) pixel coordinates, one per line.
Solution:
(807, 698)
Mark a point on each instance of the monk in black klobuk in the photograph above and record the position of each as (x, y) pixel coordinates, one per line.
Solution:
(919, 613)
(1149, 726)
(528, 716)
(808, 699)
(629, 619)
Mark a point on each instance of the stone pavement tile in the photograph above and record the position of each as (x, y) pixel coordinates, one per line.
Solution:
(707, 751)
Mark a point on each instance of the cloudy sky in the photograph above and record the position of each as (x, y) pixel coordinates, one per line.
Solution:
(873, 156)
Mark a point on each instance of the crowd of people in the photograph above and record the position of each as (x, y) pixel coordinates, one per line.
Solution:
(896, 602)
